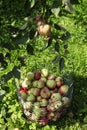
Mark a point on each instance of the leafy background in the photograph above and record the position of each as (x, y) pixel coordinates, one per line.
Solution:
(21, 50)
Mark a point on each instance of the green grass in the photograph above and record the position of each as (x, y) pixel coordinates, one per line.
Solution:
(11, 115)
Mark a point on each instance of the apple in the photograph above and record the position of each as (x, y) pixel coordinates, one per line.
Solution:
(50, 115)
(58, 104)
(55, 97)
(51, 83)
(25, 83)
(39, 98)
(30, 76)
(37, 111)
(30, 98)
(31, 90)
(45, 92)
(50, 107)
(63, 90)
(59, 81)
(43, 102)
(27, 113)
(36, 105)
(27, 105)
(43, 121)
(23, 96)
(44, 72)
(44, 111)
(51, 76)
(41, 83)
(32, 117)
(66, 101)
(44, 29)
(23, 90)
(43, 79)
(37, 75)
(36, 92)
(35, 83)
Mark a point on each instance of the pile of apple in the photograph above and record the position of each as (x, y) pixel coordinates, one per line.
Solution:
(43, 96)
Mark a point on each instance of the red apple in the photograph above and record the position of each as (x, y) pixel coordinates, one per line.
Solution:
(37, 75)
(51, 76)
(23, 90)
(63, 90)
(59, 81)
(36, 92)
(43, 121)
(44, 29)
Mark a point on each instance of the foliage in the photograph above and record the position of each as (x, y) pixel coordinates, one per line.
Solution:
(22, 49)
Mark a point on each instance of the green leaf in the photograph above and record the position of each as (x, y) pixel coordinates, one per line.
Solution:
(69, 7)
(2, 93)
(15, 72)
(65, 36)
(55, 11)
(32, 33)
(8, 69)
(24, 26)
(13, 30)
(49, 42)
(30, 49)
(2, 126)
(2, 121)
(61, 64)
(1, 57)
(57, 59)
(32, 2)
(57, 47)
(65, 46)
(21, 38)
(3, 112)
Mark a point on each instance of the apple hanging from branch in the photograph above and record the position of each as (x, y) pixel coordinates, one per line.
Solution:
(43, 27)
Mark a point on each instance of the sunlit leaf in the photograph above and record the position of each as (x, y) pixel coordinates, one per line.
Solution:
(55, 11)
(7, 70)
(24, 26)
(32, 2)
(2, 93)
